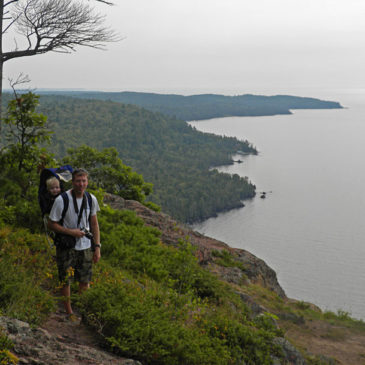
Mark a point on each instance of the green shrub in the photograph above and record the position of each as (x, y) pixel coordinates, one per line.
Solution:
(155, 303)
(26, 267)
(148, 322)
(107, 171)
(158, 325)
(226, 259)
(344, 318)
(128, 243)
(302, 305)
(187, 275)
(152, 206)
(18, 210)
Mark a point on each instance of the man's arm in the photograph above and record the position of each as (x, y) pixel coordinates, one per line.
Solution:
(94, 226)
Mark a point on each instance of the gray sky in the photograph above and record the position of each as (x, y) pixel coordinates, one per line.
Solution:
(226, 46)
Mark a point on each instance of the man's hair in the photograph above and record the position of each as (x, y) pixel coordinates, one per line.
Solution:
(79, 172)
(51, 181)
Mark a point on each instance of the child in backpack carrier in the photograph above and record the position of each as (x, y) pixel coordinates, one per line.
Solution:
(53, 189)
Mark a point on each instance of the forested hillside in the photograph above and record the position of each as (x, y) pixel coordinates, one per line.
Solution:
(206, 106)
(169, 153)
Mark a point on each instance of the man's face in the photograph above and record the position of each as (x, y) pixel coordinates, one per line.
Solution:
(79, 183)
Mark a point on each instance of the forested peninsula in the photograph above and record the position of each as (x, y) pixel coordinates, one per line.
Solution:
(176, 158)
(207, 106)
(173, 156)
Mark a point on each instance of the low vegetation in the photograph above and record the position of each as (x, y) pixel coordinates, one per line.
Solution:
(324, 337)
(163, 308)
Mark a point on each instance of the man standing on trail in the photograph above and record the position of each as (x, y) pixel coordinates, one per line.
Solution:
(72, 217)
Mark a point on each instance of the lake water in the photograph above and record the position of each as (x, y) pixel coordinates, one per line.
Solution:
(311, 227)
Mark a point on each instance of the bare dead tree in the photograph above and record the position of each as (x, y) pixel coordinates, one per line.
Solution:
(20, 80)
(50, 25)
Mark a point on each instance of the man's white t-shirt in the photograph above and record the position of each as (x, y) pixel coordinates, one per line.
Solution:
(70, 220)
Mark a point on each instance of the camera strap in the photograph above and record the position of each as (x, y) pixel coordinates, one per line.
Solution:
(79, 213)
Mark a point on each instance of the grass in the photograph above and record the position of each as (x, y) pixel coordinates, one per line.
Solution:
(27, 273)
(226, 259)
(344, 318)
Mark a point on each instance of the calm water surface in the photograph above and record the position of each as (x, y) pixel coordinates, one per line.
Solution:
(310, 229)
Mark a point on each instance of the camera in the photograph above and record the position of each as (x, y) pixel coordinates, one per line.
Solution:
(88, 234)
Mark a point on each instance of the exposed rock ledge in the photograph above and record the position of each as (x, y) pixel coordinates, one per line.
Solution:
(256, 270)
(61, 343)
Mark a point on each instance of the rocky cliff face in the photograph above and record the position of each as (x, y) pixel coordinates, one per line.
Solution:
(60, 342)
(255, 269)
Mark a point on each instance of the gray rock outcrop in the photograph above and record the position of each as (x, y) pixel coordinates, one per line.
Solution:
(64, 345)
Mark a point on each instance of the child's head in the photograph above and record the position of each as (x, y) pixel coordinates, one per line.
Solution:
(53, 186)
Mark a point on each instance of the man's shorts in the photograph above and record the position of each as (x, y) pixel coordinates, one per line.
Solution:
(75, 264)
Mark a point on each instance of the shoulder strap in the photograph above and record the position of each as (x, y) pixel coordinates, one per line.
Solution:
(66, 203)
(90, 201)
(65, 206)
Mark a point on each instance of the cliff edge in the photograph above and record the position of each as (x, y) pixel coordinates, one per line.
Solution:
(324, 338)
(208, 249)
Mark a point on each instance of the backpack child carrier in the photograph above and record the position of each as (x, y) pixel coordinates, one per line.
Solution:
(63, 174)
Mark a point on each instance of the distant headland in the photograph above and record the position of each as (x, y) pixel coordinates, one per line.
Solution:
(206, 106)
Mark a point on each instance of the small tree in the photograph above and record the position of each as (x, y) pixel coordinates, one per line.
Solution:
(108, 172)
(21, 159)
(50, 25)
(27, 130)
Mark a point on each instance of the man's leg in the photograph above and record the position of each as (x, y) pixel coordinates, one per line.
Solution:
(66, 295)
(65, 272)
(83, 270)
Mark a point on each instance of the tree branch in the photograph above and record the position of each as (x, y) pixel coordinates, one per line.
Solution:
(10, 2)
(103, 1)
(13, 20)
(51, 25)
(58, 25)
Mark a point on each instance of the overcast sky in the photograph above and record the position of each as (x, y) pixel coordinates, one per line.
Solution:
(226, 46)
